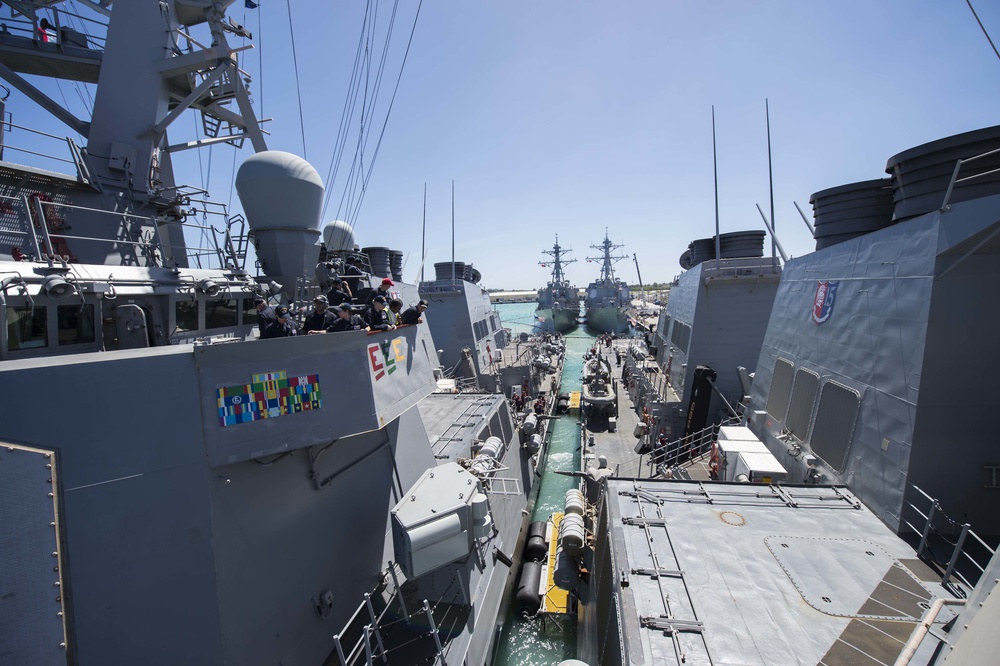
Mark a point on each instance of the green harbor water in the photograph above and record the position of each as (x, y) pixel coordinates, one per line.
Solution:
(529, 642)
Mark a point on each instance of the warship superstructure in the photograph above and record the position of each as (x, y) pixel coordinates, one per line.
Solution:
(714, 323)
(558, 301)
(878, 362)
(849, 519)
(464, 323)
(607, 299)
(173, 489)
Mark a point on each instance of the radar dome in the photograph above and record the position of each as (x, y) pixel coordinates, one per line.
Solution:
(338, 236)
(282, 196)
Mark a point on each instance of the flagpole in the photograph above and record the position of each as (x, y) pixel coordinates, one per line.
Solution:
(715, 168)
(453, 232)
(423, 237)
(770, 177)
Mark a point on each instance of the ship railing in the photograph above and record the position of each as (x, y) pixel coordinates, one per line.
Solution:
(140, 232)
(366, 637)
(467, 384)
(741, 267)
(680, 452)
(50, 159)
(955, 180)
(968, 549)
(64, 30)
(218, 248)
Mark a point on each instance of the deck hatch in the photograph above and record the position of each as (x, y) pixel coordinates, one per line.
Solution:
(849, 577)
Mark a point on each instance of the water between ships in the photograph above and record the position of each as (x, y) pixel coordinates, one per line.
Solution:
(527, 642)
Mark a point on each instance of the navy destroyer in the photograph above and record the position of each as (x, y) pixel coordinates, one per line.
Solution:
(558, 301)
(173, 489)
(607, 299)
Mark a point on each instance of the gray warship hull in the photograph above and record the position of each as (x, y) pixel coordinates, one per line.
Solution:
(174, 489)
(558, 320)
(608, 319)
(607, 298)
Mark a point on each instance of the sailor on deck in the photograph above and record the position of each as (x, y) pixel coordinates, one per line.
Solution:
(265, 317)
(376, 315)
(347, 320)
(321, 319)
(352, 274)
(340, 293)
(412, 314)
(383, 291)
(395, 305)
(284, 326)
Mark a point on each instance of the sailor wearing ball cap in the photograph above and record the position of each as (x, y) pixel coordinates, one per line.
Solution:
(376, 315)
(320, 319)
(383, 291)
(411, 315)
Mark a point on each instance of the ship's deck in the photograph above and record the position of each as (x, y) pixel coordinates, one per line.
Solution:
(619, 446)
(748, 574)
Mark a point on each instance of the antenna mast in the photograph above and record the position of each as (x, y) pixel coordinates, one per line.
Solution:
(557, 261)
(607, 259)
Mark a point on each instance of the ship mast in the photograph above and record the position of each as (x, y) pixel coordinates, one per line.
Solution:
(607, 260)
(557, 261)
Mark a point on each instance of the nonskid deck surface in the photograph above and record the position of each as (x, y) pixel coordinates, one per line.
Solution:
(739, 573)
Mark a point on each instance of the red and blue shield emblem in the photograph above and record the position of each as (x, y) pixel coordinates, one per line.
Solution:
(826, 294)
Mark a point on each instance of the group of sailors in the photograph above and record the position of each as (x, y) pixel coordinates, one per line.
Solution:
(382, 312)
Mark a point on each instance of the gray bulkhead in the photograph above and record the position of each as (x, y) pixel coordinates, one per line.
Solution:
(717, 319)
(245, 523)
(908, 351)
(460, 315)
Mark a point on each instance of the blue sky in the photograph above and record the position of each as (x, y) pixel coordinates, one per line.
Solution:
(570, 118)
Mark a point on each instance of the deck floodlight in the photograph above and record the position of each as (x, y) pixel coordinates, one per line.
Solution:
(57, 288)
(209, 287)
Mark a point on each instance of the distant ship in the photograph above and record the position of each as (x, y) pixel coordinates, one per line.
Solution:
(558, 301)
(607, 297)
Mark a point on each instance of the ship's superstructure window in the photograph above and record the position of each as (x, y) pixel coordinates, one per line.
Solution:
(479, 328)
(249, 312)
(75, 323)
(26, 328)
(664, 326)
(781, 388)
(186, 315)
(801, 405)
(681, 336)
(835, 419)
(221, 313)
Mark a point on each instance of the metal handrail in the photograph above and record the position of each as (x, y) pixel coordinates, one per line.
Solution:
(375, 626)
(959, 549)
(956, 180)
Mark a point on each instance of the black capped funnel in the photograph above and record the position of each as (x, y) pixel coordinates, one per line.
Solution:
(848, 211)
(920, 175)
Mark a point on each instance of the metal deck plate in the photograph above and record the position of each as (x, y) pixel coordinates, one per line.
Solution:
(849, 577)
